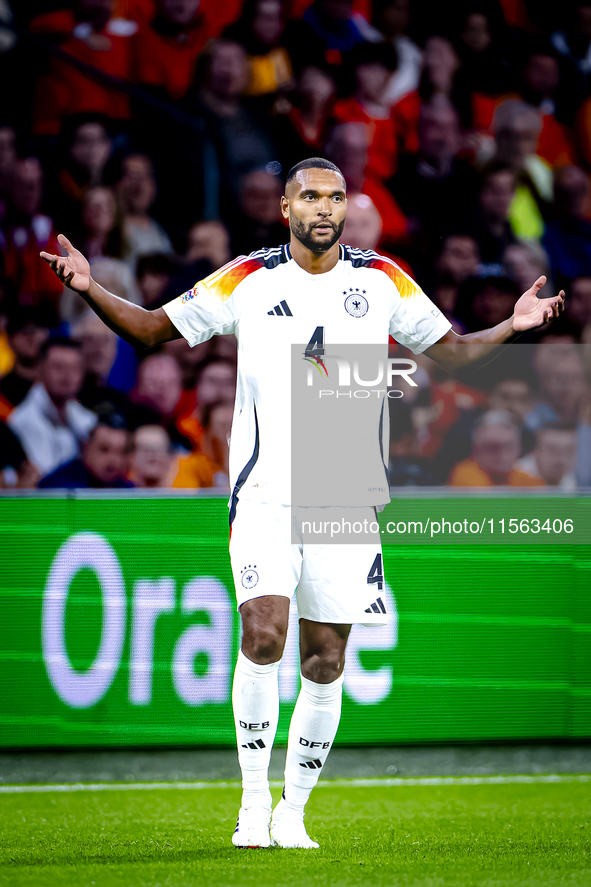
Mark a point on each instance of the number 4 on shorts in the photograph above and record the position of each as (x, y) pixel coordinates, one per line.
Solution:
(376, 575)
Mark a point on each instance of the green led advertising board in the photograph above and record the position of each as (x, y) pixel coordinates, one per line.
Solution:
(118, 626)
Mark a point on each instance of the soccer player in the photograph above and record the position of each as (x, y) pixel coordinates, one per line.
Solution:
(313, 290)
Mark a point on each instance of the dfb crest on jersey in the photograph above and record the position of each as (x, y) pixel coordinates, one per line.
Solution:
(356, 304)
(250, 577)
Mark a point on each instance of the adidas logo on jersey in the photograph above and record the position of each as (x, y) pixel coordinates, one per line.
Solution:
(377, 607)
(311, 765)
(256, 745)
(281, 310)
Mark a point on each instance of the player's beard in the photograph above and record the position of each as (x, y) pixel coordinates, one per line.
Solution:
(303, 233)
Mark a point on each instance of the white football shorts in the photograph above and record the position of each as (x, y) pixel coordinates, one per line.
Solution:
(333, 582)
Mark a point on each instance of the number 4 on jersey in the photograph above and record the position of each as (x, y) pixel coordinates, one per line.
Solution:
(315, 347)
(376, 575)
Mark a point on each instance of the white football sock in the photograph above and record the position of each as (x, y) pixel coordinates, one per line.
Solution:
(311, 734)
(255, 699)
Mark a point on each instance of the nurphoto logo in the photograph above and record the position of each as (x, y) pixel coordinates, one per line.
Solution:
(383, 373)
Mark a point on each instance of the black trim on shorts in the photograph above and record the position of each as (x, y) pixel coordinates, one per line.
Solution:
(243, 476)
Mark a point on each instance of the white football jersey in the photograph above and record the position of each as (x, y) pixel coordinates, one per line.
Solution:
(271, 304)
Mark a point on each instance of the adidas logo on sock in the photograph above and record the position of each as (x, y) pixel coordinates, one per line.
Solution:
(311, 765)
(258, 743)
(277, 312)
(377, 607)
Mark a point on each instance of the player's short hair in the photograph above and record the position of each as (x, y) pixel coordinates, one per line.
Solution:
(312, 163)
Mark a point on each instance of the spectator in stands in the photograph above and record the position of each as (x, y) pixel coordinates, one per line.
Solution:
(153, 275)
(158, 390)
(116, 277)
(50, 423)
(243, 138)
(99, 350)
(209, 241)
(104, 461)
(371, 66)
(216, 381)
(524, 262)
(480, 48)
(166, 48)
(439, 82)
(101, 233)
(517, 127)
(153, 463)
(8, 158)
(490, 224)
(347, 147)
(578, 309)
(16, 471)
(496, 446)
(363, 227)
(92, 35)
(85, 148)
(209, 467)
(573, 44)
(259, 222)
(111, 273)
(136, 191)
(391, 17)
(486, 301)
(328, 30)
(260, 30)
(514, 395)
(27, 329)
(406, 468)
(561, 385)
(26, 231)
(207, 249)
(568, 236)
(539, 87)
(458, 261)
(311, 103)
(434, 189)
(459, 257)
(554, 459)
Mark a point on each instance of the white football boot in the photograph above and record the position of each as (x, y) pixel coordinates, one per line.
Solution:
(288, 830)
(252, 828)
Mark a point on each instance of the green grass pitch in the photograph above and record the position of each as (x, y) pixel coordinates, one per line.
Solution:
(503, 835)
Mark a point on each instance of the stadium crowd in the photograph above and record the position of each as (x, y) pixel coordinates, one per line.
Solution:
(155, 135)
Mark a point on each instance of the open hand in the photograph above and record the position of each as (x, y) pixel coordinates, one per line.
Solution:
(531, 312)
(73, 270)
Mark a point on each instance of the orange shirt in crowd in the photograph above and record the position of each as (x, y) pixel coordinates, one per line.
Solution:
(393, 219)
(406, 116)
(65, 90)
(34, 280)
(469, 474)
(449, 400)
(198, 470)
(383, 144)
(167, 62)
(6, 408)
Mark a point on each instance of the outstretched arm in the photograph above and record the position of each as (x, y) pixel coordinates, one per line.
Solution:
(131, 322)
(454, 352)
